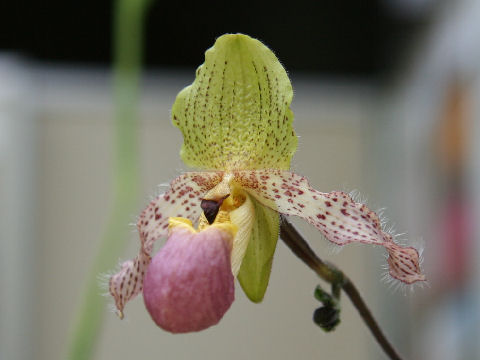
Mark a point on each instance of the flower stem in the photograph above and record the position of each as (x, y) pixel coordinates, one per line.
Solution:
(128, 44)
(331, 274)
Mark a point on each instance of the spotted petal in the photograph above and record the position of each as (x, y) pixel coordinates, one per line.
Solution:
(335, 214)
(236, 114)
(181, 200)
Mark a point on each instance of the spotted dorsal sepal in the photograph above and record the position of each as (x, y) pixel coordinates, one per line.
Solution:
(236, 114)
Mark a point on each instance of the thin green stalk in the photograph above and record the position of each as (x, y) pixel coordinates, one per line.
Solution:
(333, 275)
(128, 46)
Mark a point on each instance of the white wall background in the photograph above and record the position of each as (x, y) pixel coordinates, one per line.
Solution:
(72, 165)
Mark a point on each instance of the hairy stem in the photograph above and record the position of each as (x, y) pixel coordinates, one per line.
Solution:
(128, 28)
(336, 277)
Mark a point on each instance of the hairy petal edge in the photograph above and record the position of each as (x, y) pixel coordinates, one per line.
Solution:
(340, 219)
(181, 200)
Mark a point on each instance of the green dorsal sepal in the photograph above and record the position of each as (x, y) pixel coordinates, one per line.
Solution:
(236, 114)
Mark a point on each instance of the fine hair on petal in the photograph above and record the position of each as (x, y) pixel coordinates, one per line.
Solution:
(103, 280)
(397, 286)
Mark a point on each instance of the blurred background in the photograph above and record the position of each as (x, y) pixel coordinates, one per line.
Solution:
(386, 97)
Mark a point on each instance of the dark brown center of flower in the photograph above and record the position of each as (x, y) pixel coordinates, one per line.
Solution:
(211, 207)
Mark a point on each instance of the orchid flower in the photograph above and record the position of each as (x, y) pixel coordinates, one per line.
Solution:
(237, 128)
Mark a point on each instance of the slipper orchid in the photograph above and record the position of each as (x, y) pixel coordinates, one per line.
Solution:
(237, 127)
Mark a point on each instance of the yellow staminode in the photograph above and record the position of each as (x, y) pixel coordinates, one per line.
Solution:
(224, 224)
(236, 216)
(236, 114)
